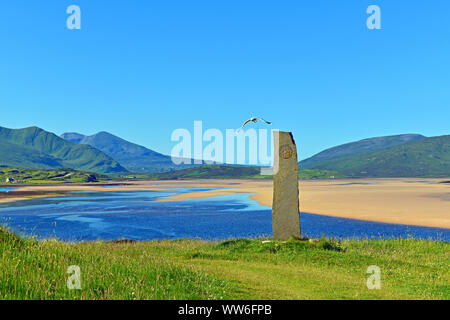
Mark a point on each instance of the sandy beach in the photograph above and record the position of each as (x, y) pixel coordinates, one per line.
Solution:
(422, 202)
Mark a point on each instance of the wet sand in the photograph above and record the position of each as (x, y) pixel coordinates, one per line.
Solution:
(423, 202)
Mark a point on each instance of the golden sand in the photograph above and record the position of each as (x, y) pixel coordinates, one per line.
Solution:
(424, 202)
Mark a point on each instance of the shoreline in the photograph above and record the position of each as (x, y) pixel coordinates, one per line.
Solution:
(408, 201)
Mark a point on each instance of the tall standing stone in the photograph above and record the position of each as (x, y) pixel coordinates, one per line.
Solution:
(285, 208)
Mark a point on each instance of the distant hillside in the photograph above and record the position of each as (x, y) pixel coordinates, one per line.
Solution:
(358, 147)
(210, 172)
(35, 148)
(426, 157)
(232, 172)
(134, 157)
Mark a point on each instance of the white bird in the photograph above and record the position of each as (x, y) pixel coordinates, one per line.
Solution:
(254, 120)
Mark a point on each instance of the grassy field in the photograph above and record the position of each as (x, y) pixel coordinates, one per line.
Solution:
(47, 176)
(235, 269)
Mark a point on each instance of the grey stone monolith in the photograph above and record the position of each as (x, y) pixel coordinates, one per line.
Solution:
(285, 208)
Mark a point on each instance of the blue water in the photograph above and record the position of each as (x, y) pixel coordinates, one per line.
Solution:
(7, 189)
(83, 216)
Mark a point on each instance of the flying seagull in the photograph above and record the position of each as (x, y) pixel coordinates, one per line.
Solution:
(253, 120)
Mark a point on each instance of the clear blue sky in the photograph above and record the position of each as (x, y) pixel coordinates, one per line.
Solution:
(140, 69)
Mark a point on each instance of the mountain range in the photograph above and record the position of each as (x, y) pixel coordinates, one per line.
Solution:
(394, 156)
(35, 148)
(362, 146)
(408, 155)
(133, 157)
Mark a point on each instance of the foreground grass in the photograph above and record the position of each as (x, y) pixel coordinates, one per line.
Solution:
(236, 269)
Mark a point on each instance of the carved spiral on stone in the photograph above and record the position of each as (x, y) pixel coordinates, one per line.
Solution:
(286, 151)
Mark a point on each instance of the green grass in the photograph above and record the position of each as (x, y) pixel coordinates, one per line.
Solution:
(235, 269)
(319, 174)
(47, 176)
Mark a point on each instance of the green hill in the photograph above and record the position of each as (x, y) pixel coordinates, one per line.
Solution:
(428, 157)
(15, 155)
(35, 148)
(134, 157)
(362, 146)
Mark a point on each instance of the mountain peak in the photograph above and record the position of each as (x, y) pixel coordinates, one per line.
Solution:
(73, 136)
(134, 157)
(33, 128)
(104, 133)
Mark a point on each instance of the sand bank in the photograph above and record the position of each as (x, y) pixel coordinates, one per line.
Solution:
(423, 202)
